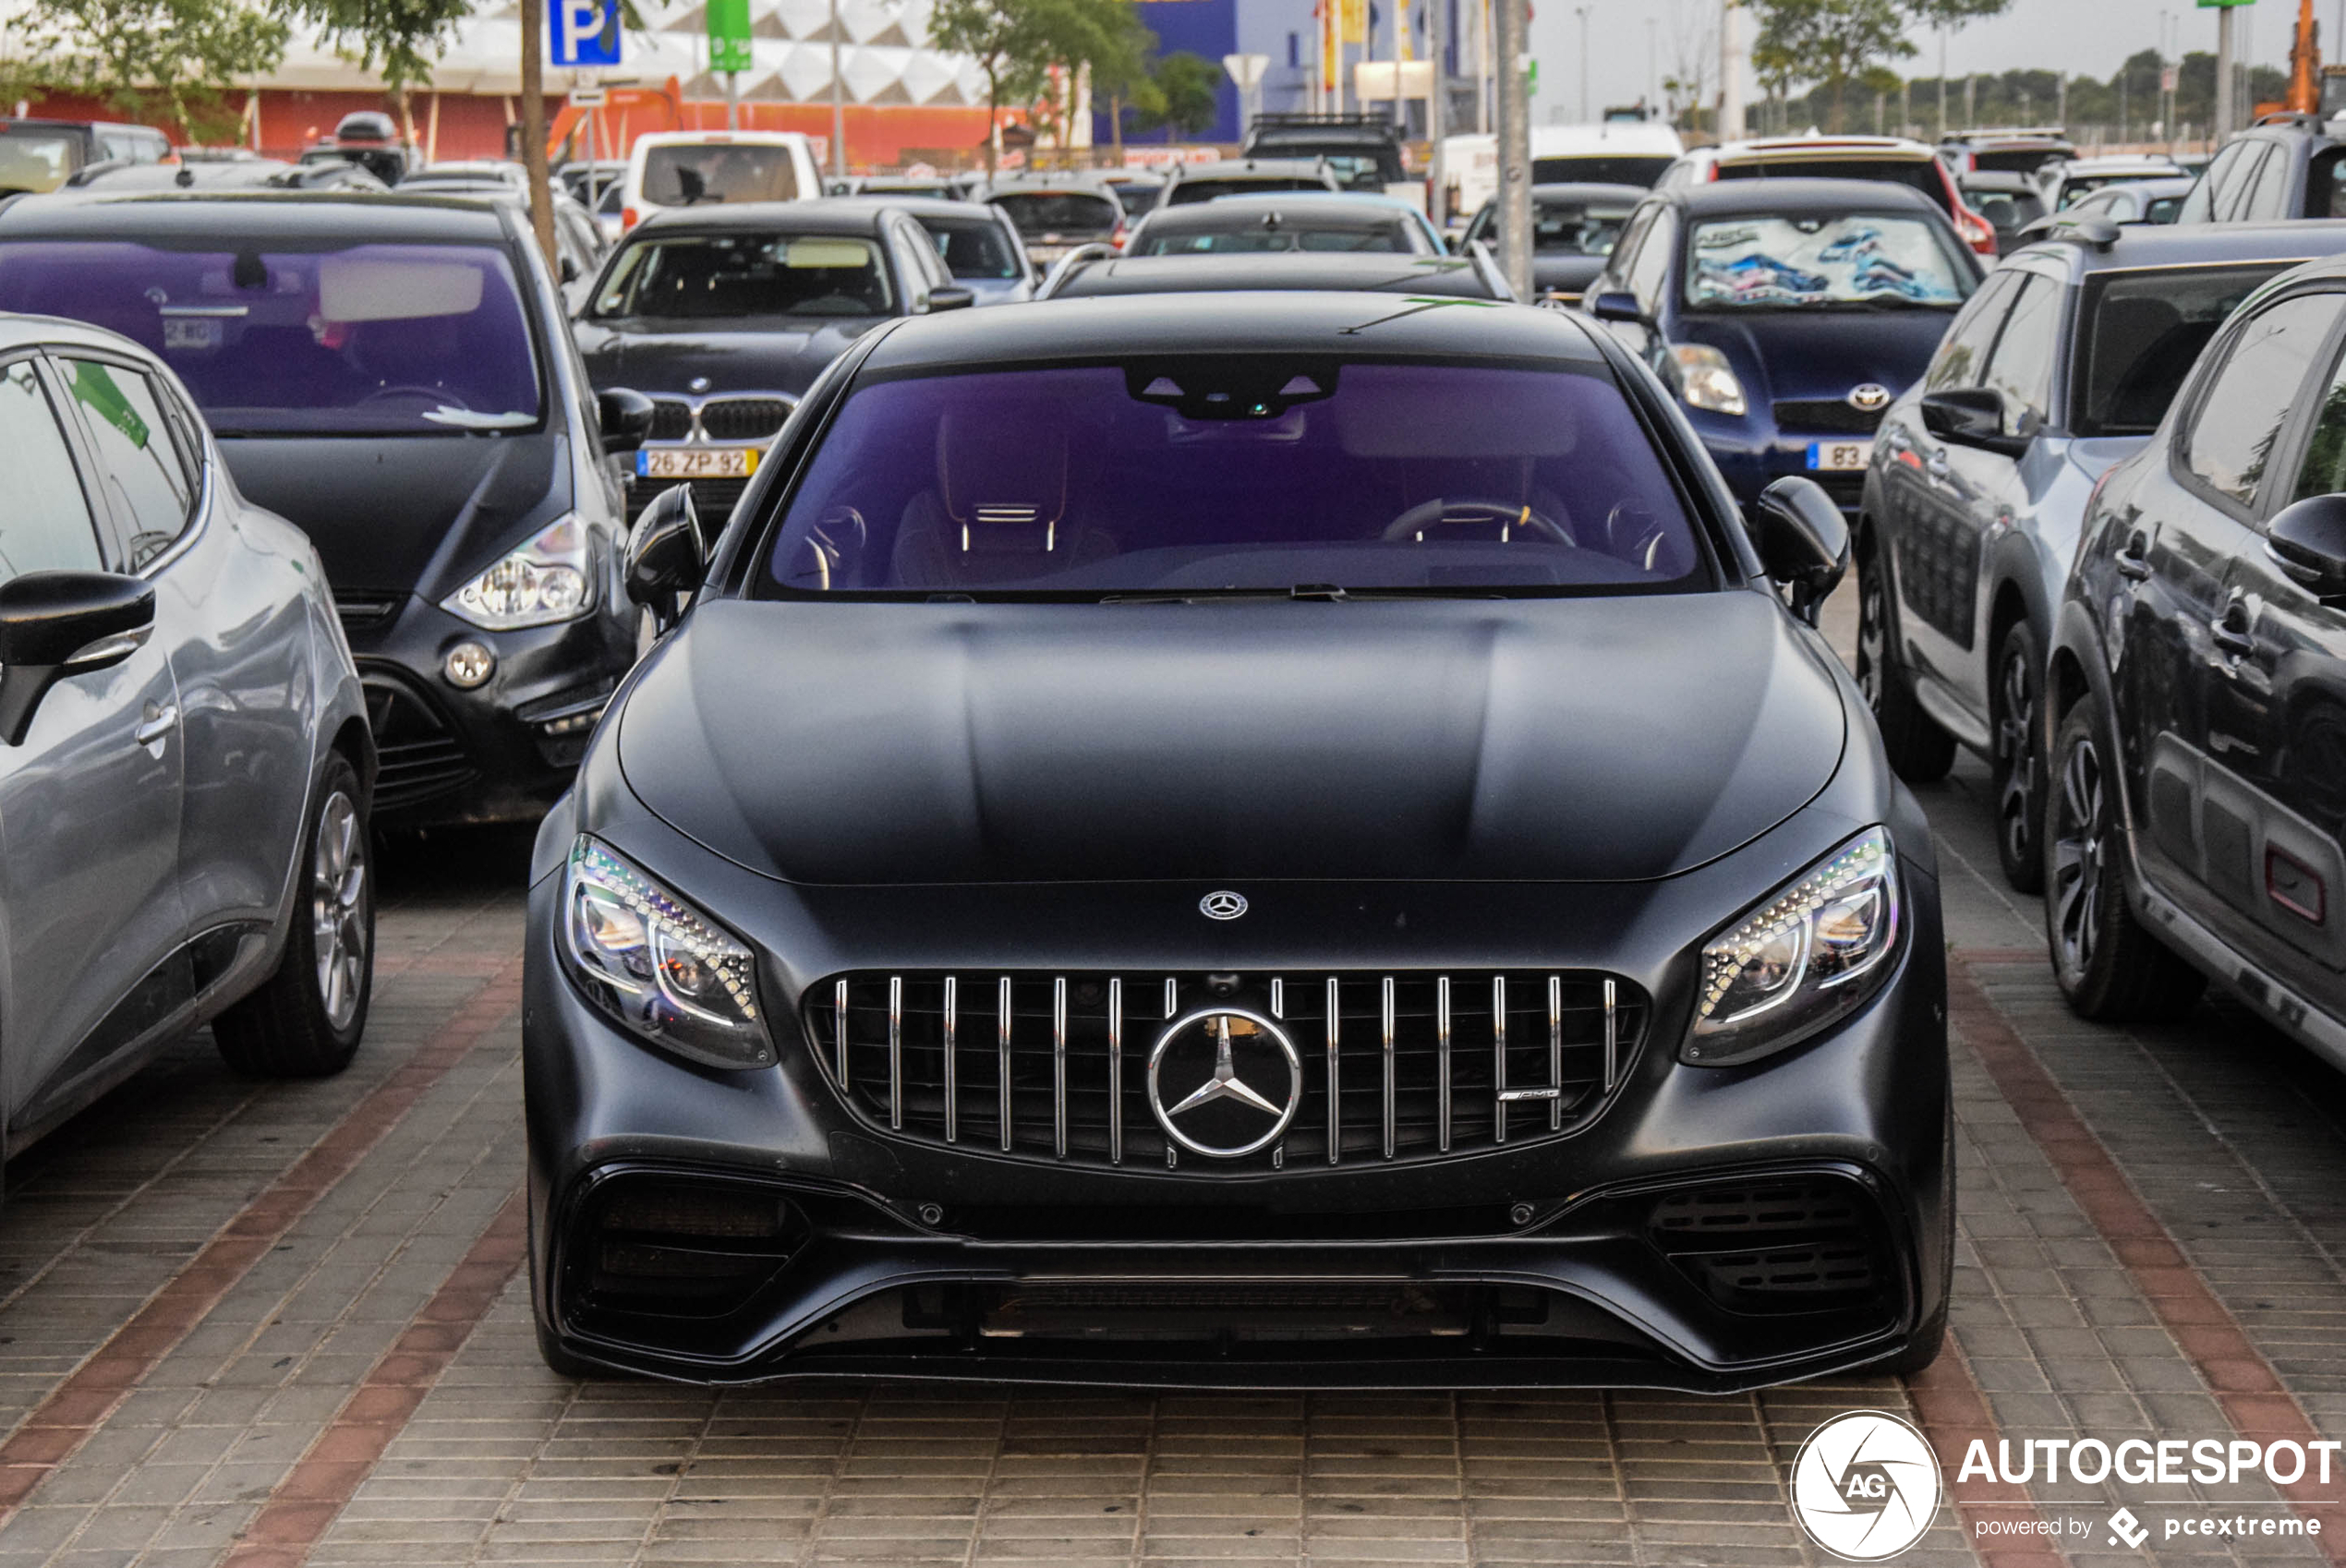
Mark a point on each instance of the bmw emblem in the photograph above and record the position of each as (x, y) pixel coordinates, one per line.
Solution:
(1222, 906)
(1872, 398)
(697, 384)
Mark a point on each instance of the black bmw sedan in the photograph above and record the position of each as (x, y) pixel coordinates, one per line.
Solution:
(725, 315)
(1242, 839)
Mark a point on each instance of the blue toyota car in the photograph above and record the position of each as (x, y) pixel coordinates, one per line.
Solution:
(1787, 315)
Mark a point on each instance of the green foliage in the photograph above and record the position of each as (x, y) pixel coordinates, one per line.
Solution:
(399, 38)
(1017, 42)
(145, 59)
(1187, 95)
(1833, 41)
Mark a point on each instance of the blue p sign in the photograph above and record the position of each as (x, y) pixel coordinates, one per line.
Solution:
(585, 33)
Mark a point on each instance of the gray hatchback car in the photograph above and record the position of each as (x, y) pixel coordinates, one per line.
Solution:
(184, 752)
(2062, 365)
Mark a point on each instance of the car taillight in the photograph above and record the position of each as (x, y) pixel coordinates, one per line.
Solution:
(1976, 231)
(627, 216)
(1118, 239)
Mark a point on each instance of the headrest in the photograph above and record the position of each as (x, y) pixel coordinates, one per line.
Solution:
(1001, 472)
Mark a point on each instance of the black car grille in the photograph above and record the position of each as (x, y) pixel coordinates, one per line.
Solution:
(1783, 1244)
(416, 757)
(713, 500)
(363, 611)
(1415, 1064)
(671, 419)
(1847, 490)
(1826, 416)
(742, 418)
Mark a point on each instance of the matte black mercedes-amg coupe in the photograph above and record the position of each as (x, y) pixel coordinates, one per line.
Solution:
(1278, 838)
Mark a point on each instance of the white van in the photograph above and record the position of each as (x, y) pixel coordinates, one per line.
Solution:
(688, 168)
(1615, 153)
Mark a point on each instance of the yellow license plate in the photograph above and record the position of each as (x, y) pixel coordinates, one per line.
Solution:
(696, 462)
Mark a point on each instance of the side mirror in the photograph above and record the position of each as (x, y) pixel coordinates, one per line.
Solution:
(569, 268)
(1970, 417)
(664, 557)
(1617, 304)
(953, 298)
(1803, 541)
(53, 625)
(625, 416)
(2307, 541)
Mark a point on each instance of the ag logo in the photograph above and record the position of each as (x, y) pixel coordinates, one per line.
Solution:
(1865, 1486)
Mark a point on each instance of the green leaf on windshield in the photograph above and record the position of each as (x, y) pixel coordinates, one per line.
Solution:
(94, 389)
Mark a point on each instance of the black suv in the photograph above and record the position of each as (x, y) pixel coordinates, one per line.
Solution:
(1364, 150)
(2062, 364)
(2286, 165)
(2197, 715)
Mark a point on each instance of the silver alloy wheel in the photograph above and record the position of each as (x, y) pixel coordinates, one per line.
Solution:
(337, 909)
(1873, 641)
(2077, 850)
(2015, 756)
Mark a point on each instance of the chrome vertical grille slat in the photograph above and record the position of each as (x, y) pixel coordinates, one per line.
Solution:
(1391, 1082)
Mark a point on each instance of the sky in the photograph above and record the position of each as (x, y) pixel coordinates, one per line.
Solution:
(2083, 36)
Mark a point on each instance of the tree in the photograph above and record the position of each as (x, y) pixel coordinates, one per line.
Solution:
(1188, 95)
(1829, 40)
(1947, 16)
(398, 38)
(1120, 75)
(146, 59)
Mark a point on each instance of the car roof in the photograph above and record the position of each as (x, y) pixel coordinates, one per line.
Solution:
(1078, 182)
(2112, 163)
(1305, 322)
(1588, 190)
(1280, 271)
(357, 217)
(821, 215)
(1227, 212)
(1820, 147)
(914, 206)
(1239, 168)
(1996, 179)
(1787, 196)
(2183, 244)
(20, 331)
(1607, 139)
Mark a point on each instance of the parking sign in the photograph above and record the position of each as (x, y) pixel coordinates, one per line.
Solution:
(585, 33)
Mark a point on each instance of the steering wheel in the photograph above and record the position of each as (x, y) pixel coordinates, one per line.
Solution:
(447, 398)
(1509, 514)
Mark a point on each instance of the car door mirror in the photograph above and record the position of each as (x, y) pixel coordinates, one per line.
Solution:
(1804, 542)
(1970, 417)
(569, 268)
(1617, 304)
(53, 625)
(625, 416)
(2307, 541)
(665, 561)
(952, 297)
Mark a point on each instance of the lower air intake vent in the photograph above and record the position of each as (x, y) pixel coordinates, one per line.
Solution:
(676, 1247)
(1792, 1244)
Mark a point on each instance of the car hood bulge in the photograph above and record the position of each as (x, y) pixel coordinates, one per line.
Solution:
(1577, 740)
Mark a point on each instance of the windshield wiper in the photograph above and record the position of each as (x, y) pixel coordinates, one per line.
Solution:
(465, 419)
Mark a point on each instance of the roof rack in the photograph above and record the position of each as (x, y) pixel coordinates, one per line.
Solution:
(2289, 117)
(1379, 121)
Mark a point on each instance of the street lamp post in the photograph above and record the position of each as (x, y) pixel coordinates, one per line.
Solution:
(838, 102)
(1583, 12)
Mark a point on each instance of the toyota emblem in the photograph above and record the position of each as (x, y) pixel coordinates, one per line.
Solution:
(1872, 398)
(1235, 1078)
(1222, 906)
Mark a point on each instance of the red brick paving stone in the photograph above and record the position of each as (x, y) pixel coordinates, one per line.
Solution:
(305, 1503)
(80, 1404)
(1951, 1411)
(2244, 1383)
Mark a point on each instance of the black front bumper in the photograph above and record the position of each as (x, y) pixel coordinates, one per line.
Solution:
(814, 1244)
(501, 752)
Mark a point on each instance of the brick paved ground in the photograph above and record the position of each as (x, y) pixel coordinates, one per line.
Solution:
(2152, 1221)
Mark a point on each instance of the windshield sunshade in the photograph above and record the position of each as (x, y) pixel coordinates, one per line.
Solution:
(368, 340)
(740, 277)
(684, 174)
(1806, 262)
(1198, 475)
(36, 160)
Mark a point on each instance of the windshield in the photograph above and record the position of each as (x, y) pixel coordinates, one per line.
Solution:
(1042, 212)
(37, 160)
(2075, 186)
(2143, 331)
(1136, 196)
(1575, 228)
(686, 174)
(1272, 231)
(973, 247)
(1859, 259)
(1187, 191)
(361, 340)
(1607, 169)
(745, 276)
(2006, 210)
(1193, 475)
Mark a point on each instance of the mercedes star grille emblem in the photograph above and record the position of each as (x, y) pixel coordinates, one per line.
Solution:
(1223, 906)
(1206, 1059)
(1872, 398)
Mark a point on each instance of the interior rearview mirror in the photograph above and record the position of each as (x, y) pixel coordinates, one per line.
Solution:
(2307, 541)
(54, 624)
(664, 557)
(625, 416)
(1804, 542)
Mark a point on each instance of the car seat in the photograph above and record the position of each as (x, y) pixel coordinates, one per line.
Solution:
(998, 510)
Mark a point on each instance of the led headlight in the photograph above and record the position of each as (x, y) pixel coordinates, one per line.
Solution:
(1809, 956)
(546, 580)
(1705, 379)
(658, 965)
